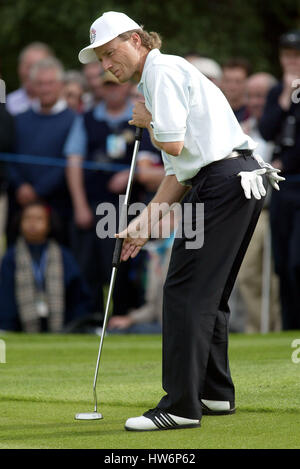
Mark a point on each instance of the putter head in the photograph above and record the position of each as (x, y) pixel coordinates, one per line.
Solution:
(89, 416)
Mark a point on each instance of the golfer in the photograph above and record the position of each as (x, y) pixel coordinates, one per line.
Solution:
(207, 159)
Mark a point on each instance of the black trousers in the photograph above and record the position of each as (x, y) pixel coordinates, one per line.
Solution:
(197, 289)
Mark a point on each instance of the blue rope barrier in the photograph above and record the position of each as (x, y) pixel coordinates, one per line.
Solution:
(49, 161)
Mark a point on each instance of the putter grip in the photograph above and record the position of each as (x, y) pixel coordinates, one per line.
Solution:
(138, 133)
(119, 241)
(117, 252)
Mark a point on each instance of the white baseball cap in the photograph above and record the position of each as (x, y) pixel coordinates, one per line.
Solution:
(105, 29)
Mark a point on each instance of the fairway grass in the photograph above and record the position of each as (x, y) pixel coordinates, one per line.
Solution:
(47, 379)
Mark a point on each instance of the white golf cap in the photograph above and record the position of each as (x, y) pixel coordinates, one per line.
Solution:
(105, 29)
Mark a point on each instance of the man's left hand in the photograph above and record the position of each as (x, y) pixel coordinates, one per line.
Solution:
(141, 117)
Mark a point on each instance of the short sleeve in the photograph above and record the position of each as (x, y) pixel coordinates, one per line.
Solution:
(169, 91)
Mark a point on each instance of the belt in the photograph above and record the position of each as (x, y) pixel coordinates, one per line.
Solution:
(236, 153)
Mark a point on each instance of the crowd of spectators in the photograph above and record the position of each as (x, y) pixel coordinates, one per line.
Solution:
(57, 123)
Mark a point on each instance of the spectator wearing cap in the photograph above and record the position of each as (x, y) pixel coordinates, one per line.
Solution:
(20, 100)
(281, 123)
(41, 133)
(233, 84)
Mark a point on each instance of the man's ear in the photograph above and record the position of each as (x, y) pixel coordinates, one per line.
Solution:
(136, 39)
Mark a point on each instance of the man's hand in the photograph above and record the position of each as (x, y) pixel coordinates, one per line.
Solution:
(135, 236)
(118, 182)
(120, 322)
(84, 217)
(141, 117)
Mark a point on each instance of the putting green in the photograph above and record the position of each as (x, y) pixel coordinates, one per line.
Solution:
(47, 379)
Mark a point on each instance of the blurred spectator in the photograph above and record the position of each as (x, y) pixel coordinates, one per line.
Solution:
(281, 123)
(93, 76)
(209, 67)
(233, 85)
(102, 135)
(40, 285)
(20, 100)
(6, 145)
(41, 132)
(74, 87)
(250, 278)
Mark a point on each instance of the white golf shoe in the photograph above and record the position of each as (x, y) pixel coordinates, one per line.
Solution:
(210, 407)
(158, 419)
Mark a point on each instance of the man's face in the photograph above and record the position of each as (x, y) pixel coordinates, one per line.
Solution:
(35, 224)
(48, 87)
(234, 83)
(120, 57)
(257, 90)
(31, 57)
(290, 61)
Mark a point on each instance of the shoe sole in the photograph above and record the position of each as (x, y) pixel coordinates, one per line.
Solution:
(215, 412)
(179, 427)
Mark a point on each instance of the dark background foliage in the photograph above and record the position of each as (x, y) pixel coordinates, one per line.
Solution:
(215, 28)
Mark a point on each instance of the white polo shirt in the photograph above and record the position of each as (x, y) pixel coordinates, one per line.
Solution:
(186, 106)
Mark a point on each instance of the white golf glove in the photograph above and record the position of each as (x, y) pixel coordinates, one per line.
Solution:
(252, 183)
(271, 173)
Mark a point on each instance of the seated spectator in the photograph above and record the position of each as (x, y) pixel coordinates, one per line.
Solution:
(74, 87)
(233, 84)
(41, 132)
(20, 100)
(40, 285)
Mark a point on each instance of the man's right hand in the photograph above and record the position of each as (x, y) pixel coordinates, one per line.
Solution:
(84, 217)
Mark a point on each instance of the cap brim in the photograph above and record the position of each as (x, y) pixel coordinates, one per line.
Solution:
(88, 55)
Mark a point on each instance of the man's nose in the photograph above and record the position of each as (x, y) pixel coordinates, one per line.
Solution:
(106, 64)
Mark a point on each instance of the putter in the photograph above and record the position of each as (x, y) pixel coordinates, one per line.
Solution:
(115, 264)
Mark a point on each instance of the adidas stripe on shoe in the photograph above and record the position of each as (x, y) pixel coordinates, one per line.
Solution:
(157, 419)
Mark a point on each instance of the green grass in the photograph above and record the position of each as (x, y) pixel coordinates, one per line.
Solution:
(47, 379)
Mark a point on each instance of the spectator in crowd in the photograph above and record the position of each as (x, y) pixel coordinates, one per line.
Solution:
(41, 132)
(102, 135)
(258, 259)
(281, 123)
(74, 88)
(209, 67)
(93, 73)
(233, 85)
(41, 289)
(20, 100)
(6, 145)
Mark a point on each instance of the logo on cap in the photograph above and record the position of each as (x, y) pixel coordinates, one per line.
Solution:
(92, 35)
